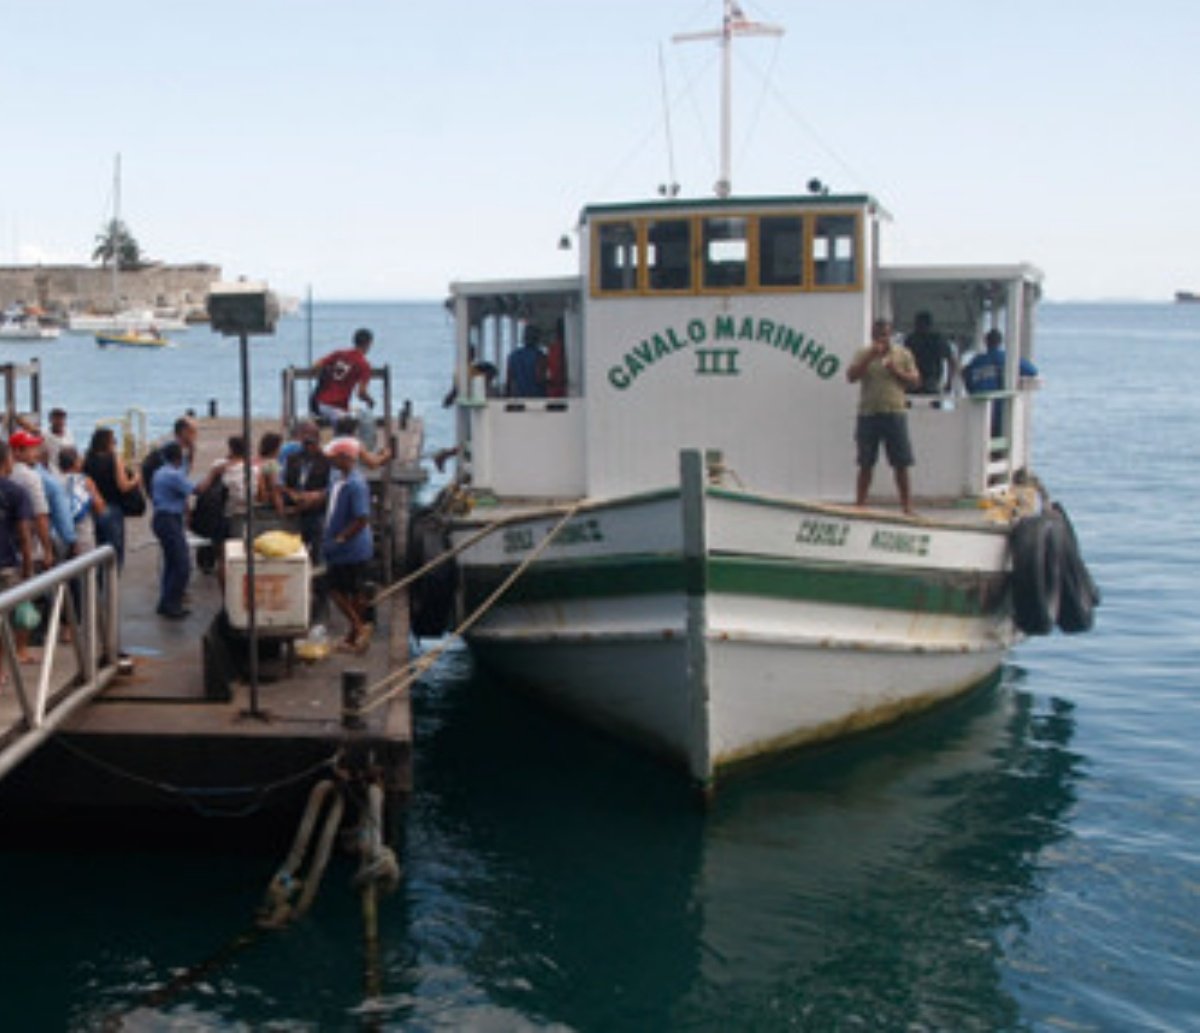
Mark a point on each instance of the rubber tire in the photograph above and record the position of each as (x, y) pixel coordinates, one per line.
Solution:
(430, 598)
(1036, 544)
(1080, 595)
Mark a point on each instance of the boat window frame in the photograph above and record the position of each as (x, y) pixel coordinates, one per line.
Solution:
(809, 221)
(855, 283)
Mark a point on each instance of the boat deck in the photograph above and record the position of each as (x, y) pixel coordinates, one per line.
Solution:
(159, 737)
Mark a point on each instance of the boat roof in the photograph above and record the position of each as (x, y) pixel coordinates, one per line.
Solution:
(734, 204)
(921, 273)
(522, 287)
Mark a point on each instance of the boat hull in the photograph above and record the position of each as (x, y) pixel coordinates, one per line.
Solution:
(712, 628)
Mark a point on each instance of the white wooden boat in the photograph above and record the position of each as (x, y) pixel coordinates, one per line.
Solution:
(673, 554)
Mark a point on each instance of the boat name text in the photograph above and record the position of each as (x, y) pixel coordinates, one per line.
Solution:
(901, 541)
(578, 532)
(723, 361)
(823, 532)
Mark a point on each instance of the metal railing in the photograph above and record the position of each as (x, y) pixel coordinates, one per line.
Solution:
(82, 595)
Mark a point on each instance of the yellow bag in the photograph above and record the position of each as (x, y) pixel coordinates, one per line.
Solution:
(277, 543)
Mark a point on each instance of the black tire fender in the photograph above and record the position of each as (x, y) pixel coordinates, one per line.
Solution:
(1036, 546)
(1080, 595)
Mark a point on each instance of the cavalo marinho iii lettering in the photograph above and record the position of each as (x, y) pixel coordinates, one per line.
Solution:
(746, 329)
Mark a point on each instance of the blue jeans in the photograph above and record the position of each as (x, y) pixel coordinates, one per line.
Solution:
(177, 561)
(110, 530)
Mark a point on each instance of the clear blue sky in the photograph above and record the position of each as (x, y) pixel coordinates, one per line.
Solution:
(380, 148)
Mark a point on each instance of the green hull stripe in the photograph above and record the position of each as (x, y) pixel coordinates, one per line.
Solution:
(929, 591)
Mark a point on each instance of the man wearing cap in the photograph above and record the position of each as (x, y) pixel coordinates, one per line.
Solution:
(25, 448)
(340, 373)
(347, 545)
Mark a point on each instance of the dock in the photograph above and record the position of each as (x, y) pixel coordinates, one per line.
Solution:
(171, 731)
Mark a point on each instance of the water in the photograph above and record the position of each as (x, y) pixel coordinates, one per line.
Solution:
(1025, 860)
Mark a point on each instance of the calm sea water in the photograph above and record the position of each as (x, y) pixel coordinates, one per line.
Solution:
(1028, 859)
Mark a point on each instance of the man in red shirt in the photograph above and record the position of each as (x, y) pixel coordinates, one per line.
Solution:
(340, 373)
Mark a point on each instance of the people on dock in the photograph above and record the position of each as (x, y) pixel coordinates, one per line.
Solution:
(934, 356)
(57, 436)
(885, 371)
(169, 493)
(86, 503)
(16, 540)
(305, 487)
(62, 523)
(526, 370)
(270, 471)
(26, 450)
(341, 374)
(347, 545)
(113, 479)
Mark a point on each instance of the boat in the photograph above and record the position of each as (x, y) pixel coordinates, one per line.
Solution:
(668, 547)
(1187, 297)
(18, 323)
(146, 338)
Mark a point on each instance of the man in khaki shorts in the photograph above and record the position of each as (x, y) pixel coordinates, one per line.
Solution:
(886, 371)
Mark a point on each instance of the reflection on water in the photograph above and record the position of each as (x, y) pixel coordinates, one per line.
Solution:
(560, 878)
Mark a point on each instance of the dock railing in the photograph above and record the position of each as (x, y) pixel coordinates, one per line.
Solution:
(82, 595)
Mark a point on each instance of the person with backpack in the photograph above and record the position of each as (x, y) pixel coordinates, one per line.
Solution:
(84, 498)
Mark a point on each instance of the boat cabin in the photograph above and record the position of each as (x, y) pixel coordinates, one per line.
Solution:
(727, 325)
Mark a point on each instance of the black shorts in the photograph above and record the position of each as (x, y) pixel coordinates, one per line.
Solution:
(892, 429)
(347, 578)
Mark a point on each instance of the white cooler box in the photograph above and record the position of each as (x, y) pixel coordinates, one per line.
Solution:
(282, 586)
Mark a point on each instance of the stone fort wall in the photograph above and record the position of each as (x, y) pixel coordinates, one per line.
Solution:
(60, 289)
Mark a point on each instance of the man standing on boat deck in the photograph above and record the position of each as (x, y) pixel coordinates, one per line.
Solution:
(886, 371)
(340, 372)
(526, 371)
(933, 355)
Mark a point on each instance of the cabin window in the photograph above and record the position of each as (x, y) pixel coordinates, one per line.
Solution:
(669, 254)
(835, 250)
(618, 256)
(725, 252)
(781, 251)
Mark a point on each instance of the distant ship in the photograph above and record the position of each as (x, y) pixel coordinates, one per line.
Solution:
(1187, 296)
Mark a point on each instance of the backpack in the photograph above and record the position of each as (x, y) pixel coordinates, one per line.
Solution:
(208, 515)
(154, 459)
(79, 497)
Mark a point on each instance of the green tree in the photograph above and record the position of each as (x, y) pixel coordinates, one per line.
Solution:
(115, 241)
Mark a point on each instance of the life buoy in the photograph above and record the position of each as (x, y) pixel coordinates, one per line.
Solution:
(1036, 544)
(1080, 595)
(430, 598)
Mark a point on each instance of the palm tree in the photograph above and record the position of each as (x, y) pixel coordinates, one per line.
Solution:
(115, 241)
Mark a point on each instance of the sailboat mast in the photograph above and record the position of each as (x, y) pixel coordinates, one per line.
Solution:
(733, 24)
(116, 230)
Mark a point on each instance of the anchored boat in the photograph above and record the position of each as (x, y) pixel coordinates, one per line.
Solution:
(663, 542)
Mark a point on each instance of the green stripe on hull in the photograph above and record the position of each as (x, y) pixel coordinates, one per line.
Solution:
(954, 593)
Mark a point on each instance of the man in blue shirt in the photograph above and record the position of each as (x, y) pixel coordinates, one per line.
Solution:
(348, 546)
(526, 372)
(169, 492)
(62, 523)
(985, 373)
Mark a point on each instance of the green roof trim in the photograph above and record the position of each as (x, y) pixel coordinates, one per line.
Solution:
(684, 205)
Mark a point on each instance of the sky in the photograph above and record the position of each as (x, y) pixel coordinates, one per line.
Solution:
(379, 149)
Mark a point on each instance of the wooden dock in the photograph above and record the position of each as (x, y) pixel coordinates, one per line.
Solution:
(160, 738)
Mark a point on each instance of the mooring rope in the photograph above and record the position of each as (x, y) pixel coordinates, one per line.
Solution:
(384, 690)
(466, 543)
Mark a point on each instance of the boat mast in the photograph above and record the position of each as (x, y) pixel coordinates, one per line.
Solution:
(734, 23)
(116, 229)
